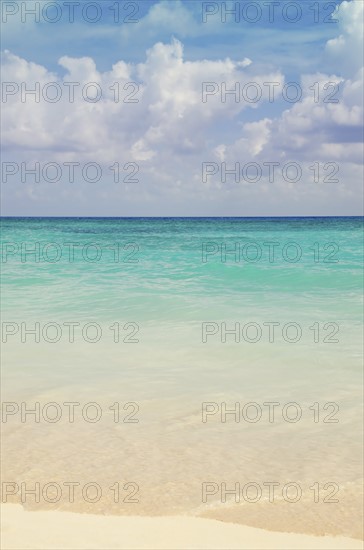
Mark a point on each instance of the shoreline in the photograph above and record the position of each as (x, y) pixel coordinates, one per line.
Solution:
(58, 530)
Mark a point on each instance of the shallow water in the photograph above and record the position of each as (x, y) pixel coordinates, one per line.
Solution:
(182, 279)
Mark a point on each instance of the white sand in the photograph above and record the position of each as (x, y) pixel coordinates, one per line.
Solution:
(65, 530)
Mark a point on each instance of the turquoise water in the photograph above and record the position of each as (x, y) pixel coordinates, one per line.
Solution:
(172, 276)
(162, 276)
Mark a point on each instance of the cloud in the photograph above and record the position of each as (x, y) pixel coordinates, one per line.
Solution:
(143, 109)
(345, 52)
(151, 113)
(168, 17)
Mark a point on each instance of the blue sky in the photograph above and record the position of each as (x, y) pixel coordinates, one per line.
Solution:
(168, 136)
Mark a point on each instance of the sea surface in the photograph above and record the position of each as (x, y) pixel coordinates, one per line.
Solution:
(182, 333)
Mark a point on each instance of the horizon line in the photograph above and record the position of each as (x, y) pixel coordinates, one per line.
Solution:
(182, 217)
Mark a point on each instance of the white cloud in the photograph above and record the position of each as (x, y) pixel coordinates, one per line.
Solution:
(169, 131)
(165, 112)
(345, 52)
(169, 16)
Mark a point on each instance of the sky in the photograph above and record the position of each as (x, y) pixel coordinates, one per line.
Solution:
(182, 108)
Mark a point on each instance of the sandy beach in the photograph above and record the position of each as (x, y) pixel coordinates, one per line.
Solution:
(65, 530)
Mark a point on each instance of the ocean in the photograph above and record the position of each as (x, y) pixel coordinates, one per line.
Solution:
(184, 365)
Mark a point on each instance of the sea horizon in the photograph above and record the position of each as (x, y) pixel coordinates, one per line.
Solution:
(178, 217)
